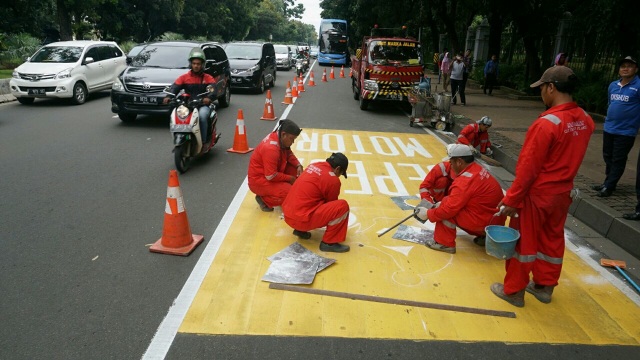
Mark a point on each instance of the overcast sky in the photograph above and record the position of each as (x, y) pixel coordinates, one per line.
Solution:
(311, 13)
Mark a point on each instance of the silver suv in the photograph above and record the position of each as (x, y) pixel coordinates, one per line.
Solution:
(68, 69)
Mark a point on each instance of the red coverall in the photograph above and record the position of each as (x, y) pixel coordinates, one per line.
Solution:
(313, 203)
(270, 169)
(552, 152)
(435, 185)
(471, 135)
(473, 199)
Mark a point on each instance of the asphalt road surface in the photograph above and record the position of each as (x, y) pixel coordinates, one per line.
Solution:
(83, 196)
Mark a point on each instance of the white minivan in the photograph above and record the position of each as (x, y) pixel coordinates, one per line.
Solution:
(68, 69)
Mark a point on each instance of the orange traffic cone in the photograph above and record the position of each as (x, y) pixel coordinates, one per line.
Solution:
(294, 91)
(301, 84)
(350, 72)
(177, 238)
(332, 76)
(324, 75)
(288, 99)
(268, 113)
(342, 71)
(240, 145)
(311, 80)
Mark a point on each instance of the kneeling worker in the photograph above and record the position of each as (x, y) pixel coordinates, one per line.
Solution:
(313, 203)
(477, 134)
(435, 185)
(273, 167)
(470, 205)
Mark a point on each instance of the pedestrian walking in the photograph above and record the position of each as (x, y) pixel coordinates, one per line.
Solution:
(621, 124)
(457, 80)
(553, 150)
(445, 69)
(490, 74)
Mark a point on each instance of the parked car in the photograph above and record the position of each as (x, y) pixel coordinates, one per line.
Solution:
(283, 57)
(134, 51)
(313, 52)
(253, 65)
(68, 69)
(139, 88)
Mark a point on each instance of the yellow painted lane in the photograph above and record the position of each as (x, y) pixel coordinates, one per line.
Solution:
(586, 308)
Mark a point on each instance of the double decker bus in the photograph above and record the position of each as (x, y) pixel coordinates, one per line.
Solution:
(333, 42)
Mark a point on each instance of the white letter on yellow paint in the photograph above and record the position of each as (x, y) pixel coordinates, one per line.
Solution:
(392, 151)
(409, 150)
(359, 146)
(360, 174)
(380, 181)
(333, 146)
(418, 169)
(304, 143)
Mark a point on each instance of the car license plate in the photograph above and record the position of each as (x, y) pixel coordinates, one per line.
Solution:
(180, 128)
(394, 96)
(236, 80)
(145, 99)
(36, 91)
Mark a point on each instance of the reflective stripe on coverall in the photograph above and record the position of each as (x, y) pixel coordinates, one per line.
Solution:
(435, 185)
(553, 150)
(313, 203)
(270, 170)
(471, 135)
(470, 205)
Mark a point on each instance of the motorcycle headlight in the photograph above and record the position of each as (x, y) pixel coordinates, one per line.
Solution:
(182, 112)
(370, 85)
(64, 73)
(117, 85)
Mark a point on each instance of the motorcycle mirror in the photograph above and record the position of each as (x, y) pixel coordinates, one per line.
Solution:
(210, 88)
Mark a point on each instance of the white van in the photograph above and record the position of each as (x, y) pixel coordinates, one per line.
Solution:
(68, 69)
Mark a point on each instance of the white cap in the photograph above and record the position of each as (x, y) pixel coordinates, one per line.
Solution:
(457, 150)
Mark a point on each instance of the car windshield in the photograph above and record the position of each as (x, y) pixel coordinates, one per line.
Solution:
(57, 54)
(281, 49)
(245, 52)
(171, 57)
(394, 52)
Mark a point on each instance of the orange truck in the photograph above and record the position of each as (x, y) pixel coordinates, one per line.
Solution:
(383, 69)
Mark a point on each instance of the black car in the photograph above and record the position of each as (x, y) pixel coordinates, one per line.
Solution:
(253, 65)
(139, 88)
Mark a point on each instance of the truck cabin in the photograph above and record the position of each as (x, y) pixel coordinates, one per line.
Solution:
(394, 52)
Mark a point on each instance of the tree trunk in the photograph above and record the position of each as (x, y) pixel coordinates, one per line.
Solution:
(532, 60)
(495, 32)
(64, 21)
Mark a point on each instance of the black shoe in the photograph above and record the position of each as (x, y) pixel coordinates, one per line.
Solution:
(263, 206)
(604, 192)
(632, 216)
(479, 240)
(336, 247)
(302, 234)
(597, 187)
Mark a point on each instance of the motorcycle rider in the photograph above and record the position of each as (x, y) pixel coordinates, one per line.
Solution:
(195, 82)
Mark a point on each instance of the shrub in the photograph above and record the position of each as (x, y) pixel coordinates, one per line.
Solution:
(16, 48)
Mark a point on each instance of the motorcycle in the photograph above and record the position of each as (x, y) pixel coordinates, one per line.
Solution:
(185, 128)
(302, 65)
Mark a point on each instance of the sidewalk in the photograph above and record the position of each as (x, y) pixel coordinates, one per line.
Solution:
(511, 119)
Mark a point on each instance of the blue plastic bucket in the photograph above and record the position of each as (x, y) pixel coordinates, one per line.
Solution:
(501, 241)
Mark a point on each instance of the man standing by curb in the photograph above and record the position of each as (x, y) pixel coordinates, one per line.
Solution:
(553, 150)
(620, 126)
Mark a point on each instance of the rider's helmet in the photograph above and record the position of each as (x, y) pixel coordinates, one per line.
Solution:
(197, 53)
(485, 121)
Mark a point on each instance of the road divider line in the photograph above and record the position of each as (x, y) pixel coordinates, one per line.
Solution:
(166, 333)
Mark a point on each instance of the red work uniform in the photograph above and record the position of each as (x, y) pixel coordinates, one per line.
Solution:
(271, 168)
(472, 201)
(471, 135)
(551, 155)
(435, 185)
(313, 203)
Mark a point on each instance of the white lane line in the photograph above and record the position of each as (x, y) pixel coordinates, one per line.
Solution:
(162, 340)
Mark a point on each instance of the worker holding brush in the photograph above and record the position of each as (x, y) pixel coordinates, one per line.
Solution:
(553, 149)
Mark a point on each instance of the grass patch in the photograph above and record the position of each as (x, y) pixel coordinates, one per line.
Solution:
(5, 73)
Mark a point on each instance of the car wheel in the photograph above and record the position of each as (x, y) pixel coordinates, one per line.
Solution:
(273, 80)
(356, 92)
(260, 87)
(364, 104)
(79, 94)
(25, 100)
(225, 100)
(125, 117)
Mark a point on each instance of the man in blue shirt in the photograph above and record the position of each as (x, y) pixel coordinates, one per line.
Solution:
(620, 126)
(490, 74)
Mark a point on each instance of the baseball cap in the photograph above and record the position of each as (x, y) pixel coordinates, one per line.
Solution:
(289, 127)
(554, 74)
(457, 150)
(339, 159)
(627, 59)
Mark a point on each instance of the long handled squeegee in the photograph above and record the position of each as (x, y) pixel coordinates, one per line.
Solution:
(619, 265)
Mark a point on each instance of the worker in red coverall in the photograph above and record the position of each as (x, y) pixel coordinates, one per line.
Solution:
(553, 149)
(470, 204)
(477, 134)
(273, 167)
(313, 203)
(435, 185)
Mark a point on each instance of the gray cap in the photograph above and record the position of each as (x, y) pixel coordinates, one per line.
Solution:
(627, 59)
(457, 150)
(554, 74)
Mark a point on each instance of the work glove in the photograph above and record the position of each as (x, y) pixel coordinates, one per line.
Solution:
(575, 194)
(489, 152)
(420, 214)
(425, 204)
